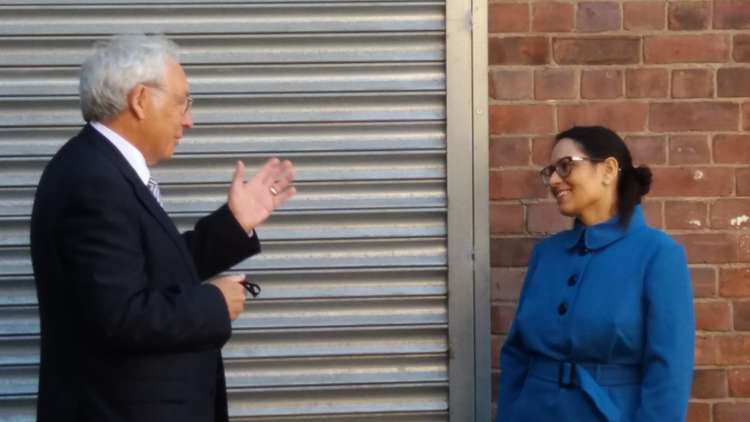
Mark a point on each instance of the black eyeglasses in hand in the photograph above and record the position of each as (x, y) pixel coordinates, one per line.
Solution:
(251, 287)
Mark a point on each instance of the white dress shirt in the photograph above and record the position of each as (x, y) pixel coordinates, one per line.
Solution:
(132, 155)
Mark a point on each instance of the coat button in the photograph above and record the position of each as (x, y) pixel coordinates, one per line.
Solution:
(562, 309)
(572, 280)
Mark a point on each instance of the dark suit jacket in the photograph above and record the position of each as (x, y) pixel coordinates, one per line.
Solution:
(129, 332)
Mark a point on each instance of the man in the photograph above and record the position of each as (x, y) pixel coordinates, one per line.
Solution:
(129, 330)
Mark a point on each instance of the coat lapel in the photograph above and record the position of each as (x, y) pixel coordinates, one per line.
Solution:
(145, 197)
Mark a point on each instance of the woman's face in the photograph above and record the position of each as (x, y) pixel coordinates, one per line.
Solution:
(585, 187)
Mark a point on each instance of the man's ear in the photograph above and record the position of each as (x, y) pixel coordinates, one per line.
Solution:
(137, 101)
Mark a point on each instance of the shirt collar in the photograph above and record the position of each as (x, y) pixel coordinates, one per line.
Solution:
(602, 234)
(132, 155)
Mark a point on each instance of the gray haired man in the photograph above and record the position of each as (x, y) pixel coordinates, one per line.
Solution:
(130, 330)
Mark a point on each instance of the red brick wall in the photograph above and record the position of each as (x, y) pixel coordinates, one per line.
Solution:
(673, 78)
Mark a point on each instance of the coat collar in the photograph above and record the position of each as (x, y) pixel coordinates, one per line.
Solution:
(600, 235)
(145, 197)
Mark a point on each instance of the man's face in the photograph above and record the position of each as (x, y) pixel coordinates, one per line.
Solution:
(168, 113)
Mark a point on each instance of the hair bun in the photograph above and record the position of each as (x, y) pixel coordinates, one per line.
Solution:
(643, 177)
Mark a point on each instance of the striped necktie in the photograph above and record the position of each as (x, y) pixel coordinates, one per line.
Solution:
(154, 188)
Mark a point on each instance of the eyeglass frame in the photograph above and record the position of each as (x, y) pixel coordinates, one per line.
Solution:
(547, 171)
(188, 98)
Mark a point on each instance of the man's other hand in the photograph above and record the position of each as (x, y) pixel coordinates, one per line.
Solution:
(234, 293)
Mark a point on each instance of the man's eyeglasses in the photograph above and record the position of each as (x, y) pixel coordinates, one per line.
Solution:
(187, 100)
(563, 167)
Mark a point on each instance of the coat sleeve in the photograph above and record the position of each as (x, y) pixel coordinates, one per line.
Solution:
(218, 242)
(514, 358)
(121, 307)
(669, 338)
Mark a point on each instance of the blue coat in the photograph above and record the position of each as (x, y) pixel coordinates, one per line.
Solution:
(604, 329)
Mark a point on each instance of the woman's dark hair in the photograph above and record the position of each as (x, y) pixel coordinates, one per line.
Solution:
(600, 142)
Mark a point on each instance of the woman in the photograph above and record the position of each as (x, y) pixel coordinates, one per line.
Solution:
(604, 329)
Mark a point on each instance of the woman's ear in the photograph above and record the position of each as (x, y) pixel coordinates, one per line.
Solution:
(137, 101)
(611, 169)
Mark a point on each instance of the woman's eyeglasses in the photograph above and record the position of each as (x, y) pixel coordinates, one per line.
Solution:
(563, 167)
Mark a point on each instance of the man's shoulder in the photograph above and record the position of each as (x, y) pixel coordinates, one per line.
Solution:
(81, 156)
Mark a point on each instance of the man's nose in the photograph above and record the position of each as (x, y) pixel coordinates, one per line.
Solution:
(187, 119)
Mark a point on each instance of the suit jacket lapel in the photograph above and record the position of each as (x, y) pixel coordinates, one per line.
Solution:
(145, 197)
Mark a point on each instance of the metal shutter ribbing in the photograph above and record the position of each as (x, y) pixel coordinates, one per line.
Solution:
(353, 323)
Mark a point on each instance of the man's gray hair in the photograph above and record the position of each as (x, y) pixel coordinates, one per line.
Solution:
(117, 66)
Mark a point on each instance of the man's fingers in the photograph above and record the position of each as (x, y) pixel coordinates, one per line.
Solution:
(239, 173)
(283, 196)
(267, 174)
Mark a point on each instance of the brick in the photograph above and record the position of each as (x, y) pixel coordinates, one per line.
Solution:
(741, 48)
(713, 316)
(647, 150)
(507, 283)
(510, 84)
(506, 218)
(731, 412)
(745, 116)
(502, 318)
(516, 184)
(643, 15)
(709, 248)
(608, 50)
(545, 217)
(699, 412)
(730, 213)
(734, 282)
(555, 84)
(513, 151)
(552, 17)
(706, 350)
(743, 246)
(741, 315)
(743, 181)
(508, 17)
(519, 50)
(704, 281)
(707, 48)
(541, 149)
(696, 181)
(496, 344)
(689, 149)
(600, 84)
(734, 350)
(685, 215)
(652, 212)
(521, 119)
(511, 251)
(734, 82)
(598, 16)
(732, 149)
(646, 83)
(739, 382)
(709, 384)
(731, 14)
(696, 116)
(689, 15)
(620, 116)
(692, 83)
(495, 390)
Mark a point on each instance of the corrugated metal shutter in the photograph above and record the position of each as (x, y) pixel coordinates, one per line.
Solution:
(352, 324)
